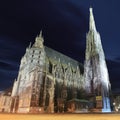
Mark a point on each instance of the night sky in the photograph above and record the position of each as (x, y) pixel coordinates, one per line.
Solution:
(64, 24)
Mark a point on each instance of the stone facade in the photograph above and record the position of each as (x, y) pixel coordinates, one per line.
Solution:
(95, 70)
(5, 101)
(45, 79)
(49, 81)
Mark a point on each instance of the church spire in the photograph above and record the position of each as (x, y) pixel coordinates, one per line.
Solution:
(92, 26)
(95, 69)
(39, 40)
(40, 35)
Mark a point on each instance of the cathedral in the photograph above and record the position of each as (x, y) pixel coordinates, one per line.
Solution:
(50, 82)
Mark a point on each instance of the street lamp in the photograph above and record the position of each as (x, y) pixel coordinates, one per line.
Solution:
(114, 106)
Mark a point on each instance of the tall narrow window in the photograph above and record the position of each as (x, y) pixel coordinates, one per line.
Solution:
(50, 67)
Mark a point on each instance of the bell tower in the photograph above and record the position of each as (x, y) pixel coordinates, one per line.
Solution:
(95, 68)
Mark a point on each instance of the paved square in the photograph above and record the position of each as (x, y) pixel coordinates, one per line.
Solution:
(59, 116)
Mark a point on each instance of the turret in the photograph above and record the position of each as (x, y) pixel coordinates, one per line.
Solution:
(39, 41)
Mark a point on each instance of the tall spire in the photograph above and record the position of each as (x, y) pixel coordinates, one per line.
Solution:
(91, 21)
(95, 69)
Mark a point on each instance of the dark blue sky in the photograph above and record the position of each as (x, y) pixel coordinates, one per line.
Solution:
(64, 24)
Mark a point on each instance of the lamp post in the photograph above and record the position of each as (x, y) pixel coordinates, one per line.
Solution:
(114, 106)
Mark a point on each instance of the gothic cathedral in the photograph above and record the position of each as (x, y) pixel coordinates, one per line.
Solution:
(50, 82)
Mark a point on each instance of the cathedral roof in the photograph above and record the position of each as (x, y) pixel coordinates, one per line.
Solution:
(55, 56)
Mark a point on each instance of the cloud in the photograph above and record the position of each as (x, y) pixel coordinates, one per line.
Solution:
(6, 78)
(9, 62)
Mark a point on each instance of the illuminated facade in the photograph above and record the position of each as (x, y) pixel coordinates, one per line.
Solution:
(95, 69)
(44, 79)
(49, 81)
